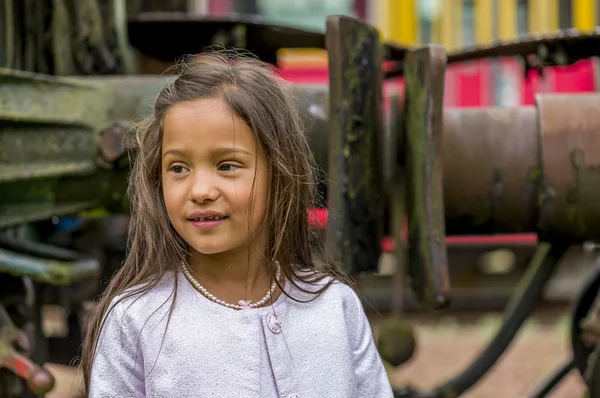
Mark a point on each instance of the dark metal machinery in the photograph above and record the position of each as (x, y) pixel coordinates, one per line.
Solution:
(527, 169)
(504, 170)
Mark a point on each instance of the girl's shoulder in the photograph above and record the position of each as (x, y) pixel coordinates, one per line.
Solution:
(142, 300)
(337, 302)
(329, 290)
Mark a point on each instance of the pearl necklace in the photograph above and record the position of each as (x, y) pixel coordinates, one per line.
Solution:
(242, 304)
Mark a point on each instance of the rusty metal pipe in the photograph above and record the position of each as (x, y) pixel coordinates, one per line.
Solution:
(491, 170)
(570, 156)
(527, 169)
(508, 170)
(490, 162)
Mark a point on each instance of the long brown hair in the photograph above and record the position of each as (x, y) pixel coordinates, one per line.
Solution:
(252, 90)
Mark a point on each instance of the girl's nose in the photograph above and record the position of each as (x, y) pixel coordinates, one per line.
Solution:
(204, 188)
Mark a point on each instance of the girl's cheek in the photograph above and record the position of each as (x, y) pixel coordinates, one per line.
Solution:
(240, 196)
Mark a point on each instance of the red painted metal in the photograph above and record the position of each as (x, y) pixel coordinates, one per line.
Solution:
(576, 78)
(473, 83)
(317, 219)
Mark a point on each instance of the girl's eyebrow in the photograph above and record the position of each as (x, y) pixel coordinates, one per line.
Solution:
(177, 152)
(224, 151)
(214, 152)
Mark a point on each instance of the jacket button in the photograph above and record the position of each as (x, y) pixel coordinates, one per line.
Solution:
(294, 396)
(274, 323)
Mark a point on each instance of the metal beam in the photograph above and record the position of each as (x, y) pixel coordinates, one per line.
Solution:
(355, 195)
(427, 260)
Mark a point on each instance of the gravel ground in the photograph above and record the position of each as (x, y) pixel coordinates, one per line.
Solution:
(446, 345)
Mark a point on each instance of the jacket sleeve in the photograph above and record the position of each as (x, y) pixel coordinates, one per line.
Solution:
(117, 368)
(371, 377)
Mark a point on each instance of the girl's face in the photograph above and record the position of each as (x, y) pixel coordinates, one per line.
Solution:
(210, 162)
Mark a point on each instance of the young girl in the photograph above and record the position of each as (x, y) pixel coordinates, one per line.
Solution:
(218, 296)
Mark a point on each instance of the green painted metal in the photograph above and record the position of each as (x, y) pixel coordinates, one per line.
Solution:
(37, 98)
(53, 272)
(48, 128)
(50, 163)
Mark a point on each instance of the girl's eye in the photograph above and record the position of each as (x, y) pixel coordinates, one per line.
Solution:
(228, 167)
(178, 169)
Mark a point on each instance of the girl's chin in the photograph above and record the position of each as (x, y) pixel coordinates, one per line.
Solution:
(212, 249)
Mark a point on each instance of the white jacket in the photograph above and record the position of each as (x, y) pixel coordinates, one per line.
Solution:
(321, 349)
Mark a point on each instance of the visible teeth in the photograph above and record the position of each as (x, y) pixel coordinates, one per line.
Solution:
(207, 218)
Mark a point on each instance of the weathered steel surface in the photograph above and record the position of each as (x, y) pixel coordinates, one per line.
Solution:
(48, 130)
(427, 261)
(491, 170)
(490, 160)
(355, 228)
(55, 133)
(49, 158)
(23, 142)
(29, 170)
(537, 50)
(131, 97)
(490, 185)
(25, 201)
(570, 155)
(36, 98)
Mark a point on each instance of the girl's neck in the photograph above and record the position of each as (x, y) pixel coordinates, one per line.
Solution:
(229, 268)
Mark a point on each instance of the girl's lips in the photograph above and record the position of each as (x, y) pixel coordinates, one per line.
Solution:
(208, 224)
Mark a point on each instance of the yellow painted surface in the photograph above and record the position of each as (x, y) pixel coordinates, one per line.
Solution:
(484, 21)
(584, 14)
(507, 19)
(398, 21)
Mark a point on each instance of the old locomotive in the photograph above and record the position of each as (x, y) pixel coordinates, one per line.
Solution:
(61, 155)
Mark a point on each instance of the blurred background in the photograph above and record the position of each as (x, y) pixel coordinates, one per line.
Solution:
(453, 23)
(484, 269)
